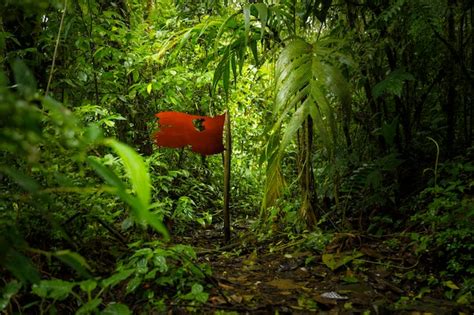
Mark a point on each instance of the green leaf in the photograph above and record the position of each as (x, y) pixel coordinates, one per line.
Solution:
(305, 82)
(53, 289)
(133, 284)
(116, 278)
(12, 288)
(88, 285)
(106, 173)
(19, 265)
(262, 10)
(253, 48)
(139, 177)
(75, 261)
(89, 307)
(393, 83)
(334, 261)
(247, 22)
(136, 170)
(149, 87)
(160, 262)
(116, 309)
(450, 285)
(197, 294)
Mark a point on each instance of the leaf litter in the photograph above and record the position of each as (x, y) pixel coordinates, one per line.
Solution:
(269, 277)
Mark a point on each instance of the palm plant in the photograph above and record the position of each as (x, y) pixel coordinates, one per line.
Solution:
(308, 88)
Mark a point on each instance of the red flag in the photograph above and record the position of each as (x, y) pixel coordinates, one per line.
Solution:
(202, 133)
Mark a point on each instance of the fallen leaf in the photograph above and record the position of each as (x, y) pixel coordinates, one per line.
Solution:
(225, 286)
(284, 284)
(334, 261)
(216, 300)
(236, 298)
(325, 301)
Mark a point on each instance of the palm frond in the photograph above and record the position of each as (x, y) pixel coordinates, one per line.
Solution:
(306, 86)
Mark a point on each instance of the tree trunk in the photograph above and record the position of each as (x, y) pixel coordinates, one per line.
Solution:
(308, 210)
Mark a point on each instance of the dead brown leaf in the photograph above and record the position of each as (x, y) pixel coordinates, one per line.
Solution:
(284, 284)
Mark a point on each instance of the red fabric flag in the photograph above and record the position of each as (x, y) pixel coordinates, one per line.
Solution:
(202, 133)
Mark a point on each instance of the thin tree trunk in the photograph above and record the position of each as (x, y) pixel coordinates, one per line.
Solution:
(309, 199)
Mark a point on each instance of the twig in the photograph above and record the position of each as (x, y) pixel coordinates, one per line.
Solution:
(216, 250)
(56, 49)
(388, 264)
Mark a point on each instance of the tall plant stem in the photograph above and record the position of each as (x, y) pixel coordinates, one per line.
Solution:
(436, 162)
(56, 49)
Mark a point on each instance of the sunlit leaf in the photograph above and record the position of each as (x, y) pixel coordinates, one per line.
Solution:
(53, 289)
(88, 285)
(116, 309)
(135, 168)
(116, 278)
(89, 307)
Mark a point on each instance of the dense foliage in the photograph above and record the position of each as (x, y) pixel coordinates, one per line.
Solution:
(347, 116)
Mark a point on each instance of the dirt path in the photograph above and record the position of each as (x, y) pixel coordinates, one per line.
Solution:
(274, 276)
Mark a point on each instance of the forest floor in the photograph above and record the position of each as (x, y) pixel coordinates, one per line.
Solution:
(354, 275)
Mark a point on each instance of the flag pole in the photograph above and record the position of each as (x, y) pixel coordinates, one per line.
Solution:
(227, 163)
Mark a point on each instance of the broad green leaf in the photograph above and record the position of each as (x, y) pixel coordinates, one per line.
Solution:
(106, 174)
(197, 294)
(305, 83)
(88, 285)
(75, 261)
(116, 278)
(89, 307)
(149, 87)
(116, 309)
(136, 170)
(253, 49)
(155, 221)
(53, 289)
(140, 180)
(295, 123)
(393, 83)
(262, 10)
(222, 29)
